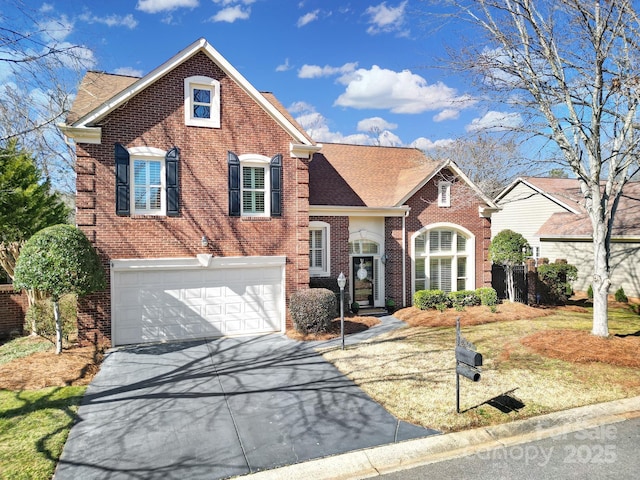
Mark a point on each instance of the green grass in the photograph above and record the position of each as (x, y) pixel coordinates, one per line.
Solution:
(411, 371)
(34, 425)
(23, 347)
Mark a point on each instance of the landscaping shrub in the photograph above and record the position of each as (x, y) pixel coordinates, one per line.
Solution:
(487, 295)
(331, 283)
(42, 313)
(555, 282)
(464, 298)
(312, 309)
(621, 296)
(426, 299)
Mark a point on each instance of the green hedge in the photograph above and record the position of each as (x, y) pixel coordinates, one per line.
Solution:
(464, 298)
(426, 299)
(488, 296)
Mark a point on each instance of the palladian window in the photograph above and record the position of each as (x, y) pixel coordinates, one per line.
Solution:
(441, 261)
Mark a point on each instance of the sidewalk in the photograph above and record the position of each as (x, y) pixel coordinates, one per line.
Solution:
(376, 461)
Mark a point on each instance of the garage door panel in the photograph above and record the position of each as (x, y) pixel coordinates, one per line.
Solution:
(150, 306)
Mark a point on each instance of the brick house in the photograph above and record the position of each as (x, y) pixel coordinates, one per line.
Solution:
(210, 206)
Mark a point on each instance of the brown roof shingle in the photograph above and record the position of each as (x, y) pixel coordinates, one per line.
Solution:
(95, 89)
(626, 222)
(371, 176)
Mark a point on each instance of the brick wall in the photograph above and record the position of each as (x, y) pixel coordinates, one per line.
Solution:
(463, 211)
(155, 118)
(393, 267)
(13, 306)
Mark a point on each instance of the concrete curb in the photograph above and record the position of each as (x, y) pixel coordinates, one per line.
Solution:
(376, 461)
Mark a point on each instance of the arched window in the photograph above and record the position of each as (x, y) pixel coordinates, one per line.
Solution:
(443, 260)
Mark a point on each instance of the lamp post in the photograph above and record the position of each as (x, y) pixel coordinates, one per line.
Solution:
(342, 281)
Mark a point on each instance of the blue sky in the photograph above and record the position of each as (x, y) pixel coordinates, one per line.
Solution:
(359, 72)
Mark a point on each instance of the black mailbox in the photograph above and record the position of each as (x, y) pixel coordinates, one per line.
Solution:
(468, 372)
(468, 357)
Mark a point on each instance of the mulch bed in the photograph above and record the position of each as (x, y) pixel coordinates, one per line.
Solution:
(353, 324)
(74, 366)
(579, 346)
(470, 315)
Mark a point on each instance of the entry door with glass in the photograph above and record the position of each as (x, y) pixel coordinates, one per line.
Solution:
(363, 281)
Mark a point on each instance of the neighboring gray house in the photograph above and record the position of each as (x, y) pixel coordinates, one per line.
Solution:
(549, 213)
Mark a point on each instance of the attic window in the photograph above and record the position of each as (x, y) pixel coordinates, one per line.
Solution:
(202, 102)
(444, 194)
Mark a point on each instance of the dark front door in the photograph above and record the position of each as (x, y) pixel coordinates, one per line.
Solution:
(363, 280)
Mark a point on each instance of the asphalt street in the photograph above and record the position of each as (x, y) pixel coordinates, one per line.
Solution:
(604, 452)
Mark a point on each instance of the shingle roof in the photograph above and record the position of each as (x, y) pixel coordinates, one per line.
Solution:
(570, 225)
(95, 89)
(564, 190)
(276, 103)
(371, 176)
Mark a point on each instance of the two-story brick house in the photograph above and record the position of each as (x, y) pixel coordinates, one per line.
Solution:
(210, 206)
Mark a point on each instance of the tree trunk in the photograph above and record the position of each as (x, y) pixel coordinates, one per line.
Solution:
(511, 291)
(56, 316)
(601, 284)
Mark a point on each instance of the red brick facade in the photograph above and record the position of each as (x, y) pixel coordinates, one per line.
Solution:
(463, 212)
(424, 211)
(155, 118)
(13, 307)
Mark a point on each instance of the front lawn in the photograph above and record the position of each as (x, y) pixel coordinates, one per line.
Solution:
(34, 425)
(39, 397)
(531, 366)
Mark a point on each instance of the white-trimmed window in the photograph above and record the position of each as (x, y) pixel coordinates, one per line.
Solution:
(444, 194)
(442, 260)
(255, 185)
(319, 249)
(148, 189)
(202, 102)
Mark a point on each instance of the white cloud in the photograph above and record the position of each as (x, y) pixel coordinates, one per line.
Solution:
(315, 71)
(231, 14)
(57, 29)
(375, 124)
(388, 139)
(399, 92)
(495, 121)
(385, 19)
(423, 143)
(316, 125)
(446, 114)
(284, 66)
(114, 20)
(76, 56)
(129, 71)
(155, 6)
(308, 18)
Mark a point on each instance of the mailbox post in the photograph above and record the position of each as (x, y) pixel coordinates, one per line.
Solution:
(468, 362)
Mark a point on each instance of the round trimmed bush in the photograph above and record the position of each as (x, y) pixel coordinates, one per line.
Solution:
(312, 310)
(488, 296)
(426, 299)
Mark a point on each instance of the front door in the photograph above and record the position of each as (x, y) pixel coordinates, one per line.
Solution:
(363, 280)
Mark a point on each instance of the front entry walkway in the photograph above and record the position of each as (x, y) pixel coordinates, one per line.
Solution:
(219, 408)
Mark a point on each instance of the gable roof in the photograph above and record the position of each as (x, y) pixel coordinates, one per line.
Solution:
(562, 191)
(95, 89)
(92, 106)
(371, 176)
(571, 225)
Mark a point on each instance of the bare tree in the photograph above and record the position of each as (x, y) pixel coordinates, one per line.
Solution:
(490, 161)
(39, 70)
(570, 68)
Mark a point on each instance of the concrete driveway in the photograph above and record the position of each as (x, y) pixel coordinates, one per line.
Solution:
(219, 408)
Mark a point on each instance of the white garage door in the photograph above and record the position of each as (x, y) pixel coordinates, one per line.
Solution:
(168, 299)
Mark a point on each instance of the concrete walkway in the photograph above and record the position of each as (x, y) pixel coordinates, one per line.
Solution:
(220, 408)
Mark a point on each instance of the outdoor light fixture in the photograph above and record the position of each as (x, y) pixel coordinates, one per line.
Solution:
(342, 281)
(205, 241)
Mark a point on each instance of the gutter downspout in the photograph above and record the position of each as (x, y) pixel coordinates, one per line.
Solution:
(404, 259)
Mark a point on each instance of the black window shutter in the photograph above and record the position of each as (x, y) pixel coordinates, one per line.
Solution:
(234, 184)
(171, 160)
(122, 180)
(276, 186)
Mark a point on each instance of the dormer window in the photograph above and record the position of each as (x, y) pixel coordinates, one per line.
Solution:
(202, 102)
